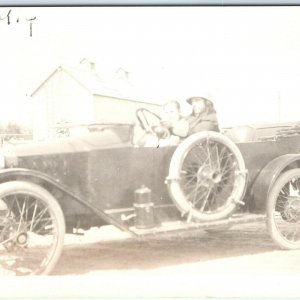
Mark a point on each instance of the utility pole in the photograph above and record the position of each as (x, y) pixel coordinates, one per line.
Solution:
(279, 106)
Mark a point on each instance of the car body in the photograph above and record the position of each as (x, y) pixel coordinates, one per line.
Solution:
(102, 178)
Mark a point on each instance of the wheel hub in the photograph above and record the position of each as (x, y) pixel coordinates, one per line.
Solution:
(292, 209)
(208, 176)
(22, 239)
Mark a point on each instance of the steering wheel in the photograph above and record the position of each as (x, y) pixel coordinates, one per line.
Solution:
(151, 123)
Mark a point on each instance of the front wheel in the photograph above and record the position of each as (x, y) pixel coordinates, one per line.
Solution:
(32, 229)
(283, 210)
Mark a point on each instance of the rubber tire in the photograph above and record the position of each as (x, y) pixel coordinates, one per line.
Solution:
(271, 202)
(175, 190)
(35, 190)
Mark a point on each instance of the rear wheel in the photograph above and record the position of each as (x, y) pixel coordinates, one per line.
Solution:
(283, 210)
(32, 229)
(207, 176)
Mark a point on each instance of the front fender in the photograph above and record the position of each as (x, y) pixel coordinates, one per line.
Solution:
(51, 184)
(36, 176)
(268, 176)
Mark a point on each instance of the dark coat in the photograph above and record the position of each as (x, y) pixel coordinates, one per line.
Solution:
(202, 122)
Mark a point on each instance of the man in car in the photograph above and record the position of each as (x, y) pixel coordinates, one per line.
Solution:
(174, 122)
(167, 132)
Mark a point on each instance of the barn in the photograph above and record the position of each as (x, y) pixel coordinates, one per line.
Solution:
(79, 95)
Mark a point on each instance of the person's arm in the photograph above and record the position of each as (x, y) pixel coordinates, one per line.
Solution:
(181, 128)
(206, 123)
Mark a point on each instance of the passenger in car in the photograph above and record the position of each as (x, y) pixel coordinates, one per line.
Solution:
(203, 116)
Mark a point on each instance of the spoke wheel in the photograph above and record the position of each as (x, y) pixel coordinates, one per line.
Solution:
(283, 210)
(32, 229)
(207, 176)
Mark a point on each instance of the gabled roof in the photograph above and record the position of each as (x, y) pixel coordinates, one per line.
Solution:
(91, 81)
(43, 82)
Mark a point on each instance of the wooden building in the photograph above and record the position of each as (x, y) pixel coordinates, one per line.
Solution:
(78, 96)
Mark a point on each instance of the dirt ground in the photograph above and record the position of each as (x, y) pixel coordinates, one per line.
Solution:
(241, 262)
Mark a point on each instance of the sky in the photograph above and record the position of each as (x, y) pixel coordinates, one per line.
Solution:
(245, 59)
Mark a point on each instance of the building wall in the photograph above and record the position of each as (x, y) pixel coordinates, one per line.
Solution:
(60, 99)
(63, 100)
(108, 109)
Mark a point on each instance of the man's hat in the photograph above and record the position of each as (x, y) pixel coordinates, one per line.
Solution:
(192, 99)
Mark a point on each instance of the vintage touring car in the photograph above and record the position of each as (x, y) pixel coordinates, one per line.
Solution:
(209, 181)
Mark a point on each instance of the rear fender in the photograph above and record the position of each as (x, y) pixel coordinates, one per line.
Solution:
(268, 176)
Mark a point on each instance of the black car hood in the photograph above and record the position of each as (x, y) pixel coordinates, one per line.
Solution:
(88, 142)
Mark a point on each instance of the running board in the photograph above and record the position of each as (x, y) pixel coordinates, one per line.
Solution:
(176, 226)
